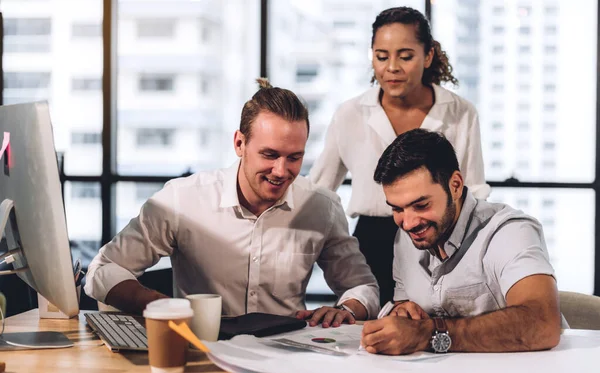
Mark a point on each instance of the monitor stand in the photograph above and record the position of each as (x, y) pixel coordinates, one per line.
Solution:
(23, 340)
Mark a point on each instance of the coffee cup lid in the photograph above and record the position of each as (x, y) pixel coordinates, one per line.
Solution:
(169, 309)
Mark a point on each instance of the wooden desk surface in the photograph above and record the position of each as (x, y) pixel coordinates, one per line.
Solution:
(88, 354)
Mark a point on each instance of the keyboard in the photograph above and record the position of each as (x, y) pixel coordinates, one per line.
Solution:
(119, 331)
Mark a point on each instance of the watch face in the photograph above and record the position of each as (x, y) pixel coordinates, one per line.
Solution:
(441, 342)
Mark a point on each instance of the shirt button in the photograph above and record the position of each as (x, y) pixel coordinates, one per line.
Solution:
(255, 259)
(252, 293)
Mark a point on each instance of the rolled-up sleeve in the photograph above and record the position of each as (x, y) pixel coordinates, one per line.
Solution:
(140, 245)
(345, 268)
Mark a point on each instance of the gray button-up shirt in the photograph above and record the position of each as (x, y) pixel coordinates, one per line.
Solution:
(492, 247)
(257, 264)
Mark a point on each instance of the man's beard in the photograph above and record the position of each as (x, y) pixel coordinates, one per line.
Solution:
(443, 229)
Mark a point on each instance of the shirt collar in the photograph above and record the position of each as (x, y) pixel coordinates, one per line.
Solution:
(230, 198)
(462, 224)
(380, 123)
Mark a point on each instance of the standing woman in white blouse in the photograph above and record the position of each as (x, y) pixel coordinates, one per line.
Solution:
(408, 67)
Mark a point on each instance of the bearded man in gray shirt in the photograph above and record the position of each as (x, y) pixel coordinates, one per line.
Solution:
(470, 275)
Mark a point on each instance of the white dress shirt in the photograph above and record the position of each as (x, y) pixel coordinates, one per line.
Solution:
(257, 264)
(360, 131)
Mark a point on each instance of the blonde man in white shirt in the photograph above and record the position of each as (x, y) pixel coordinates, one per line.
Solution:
(408, 67)
(250, 233)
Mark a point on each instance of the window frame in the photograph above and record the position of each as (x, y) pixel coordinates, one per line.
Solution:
(109, 177)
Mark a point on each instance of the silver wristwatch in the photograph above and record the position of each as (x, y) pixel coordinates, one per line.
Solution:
(345, 308)
(440, 340)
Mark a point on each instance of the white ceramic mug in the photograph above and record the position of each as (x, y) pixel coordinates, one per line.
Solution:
(207, 315)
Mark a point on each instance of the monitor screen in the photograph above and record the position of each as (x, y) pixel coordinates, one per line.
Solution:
(35, 227)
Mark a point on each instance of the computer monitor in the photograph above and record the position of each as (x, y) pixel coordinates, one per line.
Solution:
(32, 215)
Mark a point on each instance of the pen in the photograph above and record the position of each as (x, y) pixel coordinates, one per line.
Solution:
(79, 278)
(77, 268)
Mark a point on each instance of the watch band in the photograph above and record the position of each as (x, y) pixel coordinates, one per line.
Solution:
(345, 308)
(440, 325)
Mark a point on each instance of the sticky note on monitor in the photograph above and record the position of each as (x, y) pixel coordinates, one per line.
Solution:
(5, 150)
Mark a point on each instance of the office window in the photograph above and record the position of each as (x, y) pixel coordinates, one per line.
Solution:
(524, 69)
(524, 30)
(312, 105)
(498, 30)
(523, 126)
(524, 49)
(344, 24)
(498, 10)
(205, 137)
(498, 68)
(86, 138)
(306, 73)
(196, 79)
(497, 125)
(84, 219)
(155, 28)
(574, 267)
(27, 26)
(85, 190)
(497, 145)
(86, 84)
(160, 137)
(523, 145)
(549, 145)
(524, 87)
(205, 84)
(547, 56)
(498, 49)
(522, 165)
(26, 80)
(143, 191)
(156, 82)
(550, 30)
(39, 57)
(86, 30)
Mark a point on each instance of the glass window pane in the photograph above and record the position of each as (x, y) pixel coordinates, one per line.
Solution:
(83, 206)
(526, 50)
(185, 69)
(130, 198)
(321, 51)
(569, 235)
(44, 60)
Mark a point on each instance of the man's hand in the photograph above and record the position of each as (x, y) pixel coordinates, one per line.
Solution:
(328, 316)
(409, 310)
(394, 335)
